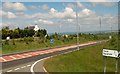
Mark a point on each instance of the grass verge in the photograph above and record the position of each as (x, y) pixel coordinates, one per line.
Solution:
(89, 59)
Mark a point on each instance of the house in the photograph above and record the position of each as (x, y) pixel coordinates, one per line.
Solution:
(35, 28)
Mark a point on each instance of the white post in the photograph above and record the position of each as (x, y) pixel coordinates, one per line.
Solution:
(105, 65)
(116, 68)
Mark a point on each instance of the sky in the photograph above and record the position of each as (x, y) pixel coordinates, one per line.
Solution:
(60, 16)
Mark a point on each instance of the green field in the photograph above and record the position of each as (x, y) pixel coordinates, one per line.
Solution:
(89, 59)
(20, 44)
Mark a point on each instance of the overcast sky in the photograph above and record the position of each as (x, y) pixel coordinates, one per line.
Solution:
(53, 15)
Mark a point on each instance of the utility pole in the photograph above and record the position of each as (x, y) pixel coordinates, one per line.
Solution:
(59, 28)
(100, 24)
(77, 26)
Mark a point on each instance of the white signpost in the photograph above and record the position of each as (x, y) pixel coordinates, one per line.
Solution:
(110, 53)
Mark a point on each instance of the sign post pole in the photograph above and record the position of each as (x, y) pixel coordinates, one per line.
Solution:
(104, 65)
(116, 68)
(111, 53)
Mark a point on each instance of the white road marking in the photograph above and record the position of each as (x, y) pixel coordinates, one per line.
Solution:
(28, 65)
(23, 66)
(28, 55)
(17, 69)
(12, 57)
(32, 67)
(3, 58)
(44, 69)
(20, 55)
(9, 70)
(0, 72)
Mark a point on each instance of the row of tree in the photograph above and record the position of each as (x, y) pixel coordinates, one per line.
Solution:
(21, 33)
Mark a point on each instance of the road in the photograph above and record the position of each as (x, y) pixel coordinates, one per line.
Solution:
(32, 62)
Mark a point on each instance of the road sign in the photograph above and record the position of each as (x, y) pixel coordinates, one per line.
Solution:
(51, 40)
(110, 53)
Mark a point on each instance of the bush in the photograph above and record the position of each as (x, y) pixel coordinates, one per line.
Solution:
(114, 43)
(21, 40)
(6, 42)
(13, 41)
(28, 39)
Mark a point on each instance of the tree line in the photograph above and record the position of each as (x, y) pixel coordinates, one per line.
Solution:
(21, 33)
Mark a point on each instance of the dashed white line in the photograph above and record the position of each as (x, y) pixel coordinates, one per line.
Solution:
(17, 69)
(23, 66)
(28, 65)
(9, 70)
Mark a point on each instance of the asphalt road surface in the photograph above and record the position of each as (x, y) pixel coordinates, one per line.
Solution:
(32, 62)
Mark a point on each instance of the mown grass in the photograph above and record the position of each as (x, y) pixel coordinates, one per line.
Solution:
(21, 46)
(89, 59)
(30, 43)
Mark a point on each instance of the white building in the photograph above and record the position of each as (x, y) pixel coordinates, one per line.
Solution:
(35, 28)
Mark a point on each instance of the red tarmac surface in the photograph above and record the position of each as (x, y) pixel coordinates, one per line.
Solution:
(31, 54)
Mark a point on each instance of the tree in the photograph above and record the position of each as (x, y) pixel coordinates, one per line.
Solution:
(5, 32)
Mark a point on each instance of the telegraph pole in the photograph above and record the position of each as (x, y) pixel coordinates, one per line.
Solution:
(77, 26)
(100, 24)
(59, 28)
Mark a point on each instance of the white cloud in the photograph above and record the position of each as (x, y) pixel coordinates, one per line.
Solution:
(52, 11)
(14, 6)
(3, 24)
(87, 12)
(19, 6)
(67, 13)
(11, 15)
(8, 5)
(80, 5)
(8, 15)
(41, 21)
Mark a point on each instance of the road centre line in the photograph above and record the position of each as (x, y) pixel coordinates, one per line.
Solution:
(9, 70)
(16, 69)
